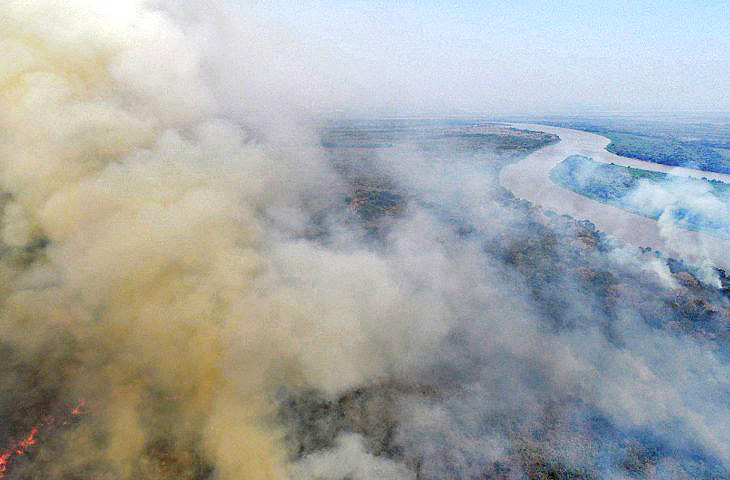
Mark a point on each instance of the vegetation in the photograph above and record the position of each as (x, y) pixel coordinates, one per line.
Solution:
(699, 145)
(668, 152)
(562, 262)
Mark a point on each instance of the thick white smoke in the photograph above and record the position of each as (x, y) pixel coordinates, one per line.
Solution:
(165, 239)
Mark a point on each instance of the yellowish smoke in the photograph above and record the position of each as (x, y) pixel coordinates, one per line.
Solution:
(151, 255)
(124, 234)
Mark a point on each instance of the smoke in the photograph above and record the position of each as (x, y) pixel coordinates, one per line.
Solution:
(148, 248)
(688, 204)
(349, 459)
(175, 255)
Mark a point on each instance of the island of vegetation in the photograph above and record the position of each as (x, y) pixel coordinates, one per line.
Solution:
(621, 186)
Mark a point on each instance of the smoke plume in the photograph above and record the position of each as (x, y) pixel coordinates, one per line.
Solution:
(185, 295)
(150, 264)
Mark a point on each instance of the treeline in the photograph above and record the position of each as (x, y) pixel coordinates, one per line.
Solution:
(668, 152)
(700, 146)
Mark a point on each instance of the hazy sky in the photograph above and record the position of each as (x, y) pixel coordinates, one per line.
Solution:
(527, 56)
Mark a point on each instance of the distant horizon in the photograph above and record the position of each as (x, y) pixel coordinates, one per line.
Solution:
(534, 56)
(584, 114)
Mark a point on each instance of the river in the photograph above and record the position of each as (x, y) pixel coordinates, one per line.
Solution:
(529, 179)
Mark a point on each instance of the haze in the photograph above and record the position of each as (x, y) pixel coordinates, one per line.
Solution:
(521, 57)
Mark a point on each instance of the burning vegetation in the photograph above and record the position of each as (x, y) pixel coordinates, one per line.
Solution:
(46, 427)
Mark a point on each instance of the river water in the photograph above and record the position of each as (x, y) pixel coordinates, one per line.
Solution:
(529, 179)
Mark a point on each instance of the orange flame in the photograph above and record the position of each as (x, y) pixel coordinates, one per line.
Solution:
(4, 463)
(18, 449)
(29, 440)
(77, 410)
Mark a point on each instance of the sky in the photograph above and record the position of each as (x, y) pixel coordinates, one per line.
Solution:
(521, 57)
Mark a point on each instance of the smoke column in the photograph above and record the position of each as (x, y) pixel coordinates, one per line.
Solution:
(150, 265)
